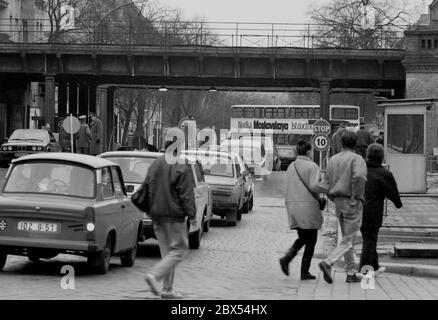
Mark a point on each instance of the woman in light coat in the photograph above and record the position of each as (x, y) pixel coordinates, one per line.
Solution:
(303, 210)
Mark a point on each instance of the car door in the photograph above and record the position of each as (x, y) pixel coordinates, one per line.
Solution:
(108, 208)
(129, 218)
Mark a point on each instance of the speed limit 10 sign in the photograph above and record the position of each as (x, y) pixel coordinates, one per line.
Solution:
(321, 142)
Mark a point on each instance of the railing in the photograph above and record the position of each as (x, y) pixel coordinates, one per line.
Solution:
(177, 33)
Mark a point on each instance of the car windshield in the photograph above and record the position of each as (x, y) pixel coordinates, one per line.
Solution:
(30, 135)
(216, 165)
(134, 169)
(285, 151)
(252, 155)
(51, 178)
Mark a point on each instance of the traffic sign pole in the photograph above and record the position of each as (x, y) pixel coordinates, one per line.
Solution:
(71, 133)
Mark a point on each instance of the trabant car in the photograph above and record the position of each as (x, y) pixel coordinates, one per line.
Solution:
(27, 141)
(67, 203)
(135, 165)
(224, 175)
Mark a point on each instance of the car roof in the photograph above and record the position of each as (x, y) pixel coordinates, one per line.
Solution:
(210, 152)
(131, 154)
(90, 161)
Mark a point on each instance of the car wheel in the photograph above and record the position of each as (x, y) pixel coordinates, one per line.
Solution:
(245, 207)
(251, 202)
(3, 258)
(102, 259)
(195, 239)
(128, 258)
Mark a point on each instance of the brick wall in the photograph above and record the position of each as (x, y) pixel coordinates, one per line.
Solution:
(425, 85)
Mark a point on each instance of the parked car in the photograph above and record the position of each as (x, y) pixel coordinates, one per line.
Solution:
(56, 203)
(287, 154)
(135, 165)
(27, 141)
(227, 180)
(252, 152)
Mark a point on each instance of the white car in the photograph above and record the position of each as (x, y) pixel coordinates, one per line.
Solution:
(135, 165)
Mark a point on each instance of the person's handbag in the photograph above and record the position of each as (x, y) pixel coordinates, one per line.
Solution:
(321, 200)
(140, 198)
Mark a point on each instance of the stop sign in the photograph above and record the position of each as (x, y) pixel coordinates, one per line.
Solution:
(322, 127)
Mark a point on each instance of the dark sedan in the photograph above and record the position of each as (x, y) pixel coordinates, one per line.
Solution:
(27, 141)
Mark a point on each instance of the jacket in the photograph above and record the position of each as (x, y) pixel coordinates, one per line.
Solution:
(380, 185)
(171, 191)
(83, 137)
(96, 129)
(302, 208)
(336, 140)
(347, 175)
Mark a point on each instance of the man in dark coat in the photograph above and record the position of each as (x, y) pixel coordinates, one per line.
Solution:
(380, 185)
(96, 129)
(364, 139)
(172, 200)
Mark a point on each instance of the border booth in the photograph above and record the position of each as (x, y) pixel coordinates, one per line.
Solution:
(405, 142)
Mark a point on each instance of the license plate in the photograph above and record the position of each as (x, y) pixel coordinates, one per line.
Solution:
(20, 154)
(37, 226)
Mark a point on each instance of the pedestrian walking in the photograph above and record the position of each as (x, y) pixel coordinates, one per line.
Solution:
(64, 139)
(83, 137)
(303, 210)
(346, 176)
(336, 138)
(380, 185)
(364, 139)
(172, 200)
(96, 128)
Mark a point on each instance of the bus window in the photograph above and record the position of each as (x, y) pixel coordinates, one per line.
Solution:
(282, 113)
(316, 113)
(351, 113)
(338, 113)
(270, 113)
(236, 112)
(258, 113)
(248, 113)
(306, 113)
(296, 113)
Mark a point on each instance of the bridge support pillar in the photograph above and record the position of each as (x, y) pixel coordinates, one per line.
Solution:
(105, 111)
(324, 98)
(73, 98)
(83, 99)
(62, 99)
(92, 99)
(49, 101)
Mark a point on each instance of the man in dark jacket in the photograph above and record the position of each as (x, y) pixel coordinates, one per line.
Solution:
(172, 200)
(364, 139)
(380, 185)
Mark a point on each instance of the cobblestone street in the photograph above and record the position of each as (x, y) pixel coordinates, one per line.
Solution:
(233, 263)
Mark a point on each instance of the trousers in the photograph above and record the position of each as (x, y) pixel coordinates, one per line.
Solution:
(350, 219)
(369, 255)
(306, 238)
(174, 247)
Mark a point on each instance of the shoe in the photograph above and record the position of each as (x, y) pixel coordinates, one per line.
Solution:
(153, 284)
(352, 278)
(326, 270)
(284, 266)
(379, 271)
(171, 295)
(307, 276)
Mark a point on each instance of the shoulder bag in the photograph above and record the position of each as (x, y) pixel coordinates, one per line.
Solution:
(321, 200)
(140, 198)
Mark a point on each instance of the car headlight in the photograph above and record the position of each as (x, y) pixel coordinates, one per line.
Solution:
(5, 148)
(40, 148)
(34, 148)
(10, 148)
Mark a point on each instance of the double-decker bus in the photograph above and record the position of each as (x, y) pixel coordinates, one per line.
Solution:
(289, 123)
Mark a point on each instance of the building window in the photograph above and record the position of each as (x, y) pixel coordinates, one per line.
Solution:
(258, 113)
(248, 112)
(282, 113)
(423, 44)
(429, 44)
(435, 43)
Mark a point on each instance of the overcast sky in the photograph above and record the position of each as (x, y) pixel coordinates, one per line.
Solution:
(290, 11)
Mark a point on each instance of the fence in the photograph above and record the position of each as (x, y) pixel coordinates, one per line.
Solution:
(173, 33)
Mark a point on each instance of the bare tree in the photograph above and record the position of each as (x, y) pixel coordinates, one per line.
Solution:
(339, 24)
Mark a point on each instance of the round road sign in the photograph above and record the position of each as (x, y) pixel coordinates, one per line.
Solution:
(322, 127)
(321, 142)
(71, 124)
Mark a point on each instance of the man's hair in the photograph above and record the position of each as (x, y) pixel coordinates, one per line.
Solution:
(375, 153)
(302, 147)
(348, 140)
